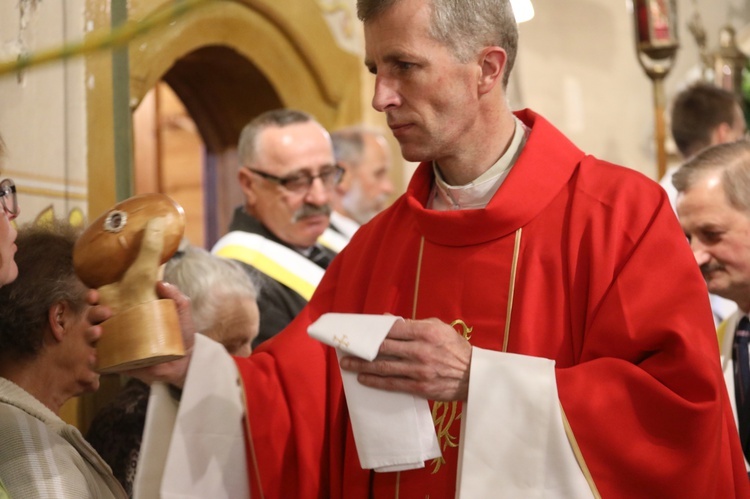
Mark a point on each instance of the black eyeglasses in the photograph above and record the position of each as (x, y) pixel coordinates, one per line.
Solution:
(8, 196)
(301, 182)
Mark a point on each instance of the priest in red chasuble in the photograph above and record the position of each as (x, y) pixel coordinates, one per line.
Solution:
(554, 316)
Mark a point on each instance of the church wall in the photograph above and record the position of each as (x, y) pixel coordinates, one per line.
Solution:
(577, 66)
(42, 109)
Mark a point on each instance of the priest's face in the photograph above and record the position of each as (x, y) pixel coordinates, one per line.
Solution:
(719, 236)
(295, 212)
(430, 98)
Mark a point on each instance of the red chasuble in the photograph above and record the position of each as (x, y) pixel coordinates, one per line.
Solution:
(605, 285)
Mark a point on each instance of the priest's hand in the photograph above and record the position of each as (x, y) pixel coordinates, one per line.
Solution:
(173, 372)
(425, 358)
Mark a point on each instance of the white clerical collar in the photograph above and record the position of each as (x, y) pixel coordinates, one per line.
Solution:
(477, 193)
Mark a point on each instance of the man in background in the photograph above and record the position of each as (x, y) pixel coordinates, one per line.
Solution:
(287, 174)
(366, 185)
(714, 209)
(704, 115)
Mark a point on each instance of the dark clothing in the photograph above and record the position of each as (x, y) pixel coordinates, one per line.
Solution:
(117, 430)
(278, 304)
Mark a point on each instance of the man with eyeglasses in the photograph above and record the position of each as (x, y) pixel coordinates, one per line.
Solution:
(287, 173)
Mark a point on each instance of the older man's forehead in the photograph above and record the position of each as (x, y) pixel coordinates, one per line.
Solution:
(296, 148)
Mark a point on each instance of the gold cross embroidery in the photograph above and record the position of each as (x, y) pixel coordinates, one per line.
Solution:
(341, 342)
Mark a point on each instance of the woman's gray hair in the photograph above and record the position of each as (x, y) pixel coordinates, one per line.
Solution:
(732, 160)
(207, 280)
(465, 26)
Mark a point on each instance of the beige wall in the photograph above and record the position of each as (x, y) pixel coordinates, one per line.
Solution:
(577, 66)
(42, 111)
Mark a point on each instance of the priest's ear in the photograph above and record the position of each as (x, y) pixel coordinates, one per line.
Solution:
(248, 183)
(492, 61)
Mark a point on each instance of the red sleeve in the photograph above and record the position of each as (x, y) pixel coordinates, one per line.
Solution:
(292, 389)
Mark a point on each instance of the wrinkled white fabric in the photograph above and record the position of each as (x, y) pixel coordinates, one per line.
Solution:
(393, 431)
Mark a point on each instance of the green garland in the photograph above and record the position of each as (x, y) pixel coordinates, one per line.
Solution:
(105, 39)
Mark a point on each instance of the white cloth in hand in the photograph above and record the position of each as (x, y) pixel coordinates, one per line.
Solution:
(393, 431)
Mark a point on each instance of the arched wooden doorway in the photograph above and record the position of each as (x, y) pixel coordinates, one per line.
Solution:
(186, 130)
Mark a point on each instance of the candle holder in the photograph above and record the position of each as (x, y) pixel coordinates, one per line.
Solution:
(656, 39)
(729, 61)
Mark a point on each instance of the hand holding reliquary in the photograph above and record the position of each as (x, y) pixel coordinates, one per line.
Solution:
(120, 254)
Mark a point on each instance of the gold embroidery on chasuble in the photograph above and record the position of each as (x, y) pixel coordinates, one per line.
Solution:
(465, 329)
(444, 414)
(341, 342)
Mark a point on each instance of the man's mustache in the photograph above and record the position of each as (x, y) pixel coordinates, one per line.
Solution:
(709, 267)
(310, 210)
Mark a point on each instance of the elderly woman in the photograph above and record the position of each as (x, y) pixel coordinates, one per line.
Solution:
(46, 358)
(223, 300)
(8, 268)
(222, 295)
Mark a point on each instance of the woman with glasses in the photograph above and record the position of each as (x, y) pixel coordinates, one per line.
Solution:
(8, 269)
(46, 357)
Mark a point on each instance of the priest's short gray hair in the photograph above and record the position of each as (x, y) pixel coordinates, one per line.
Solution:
(465, 26)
